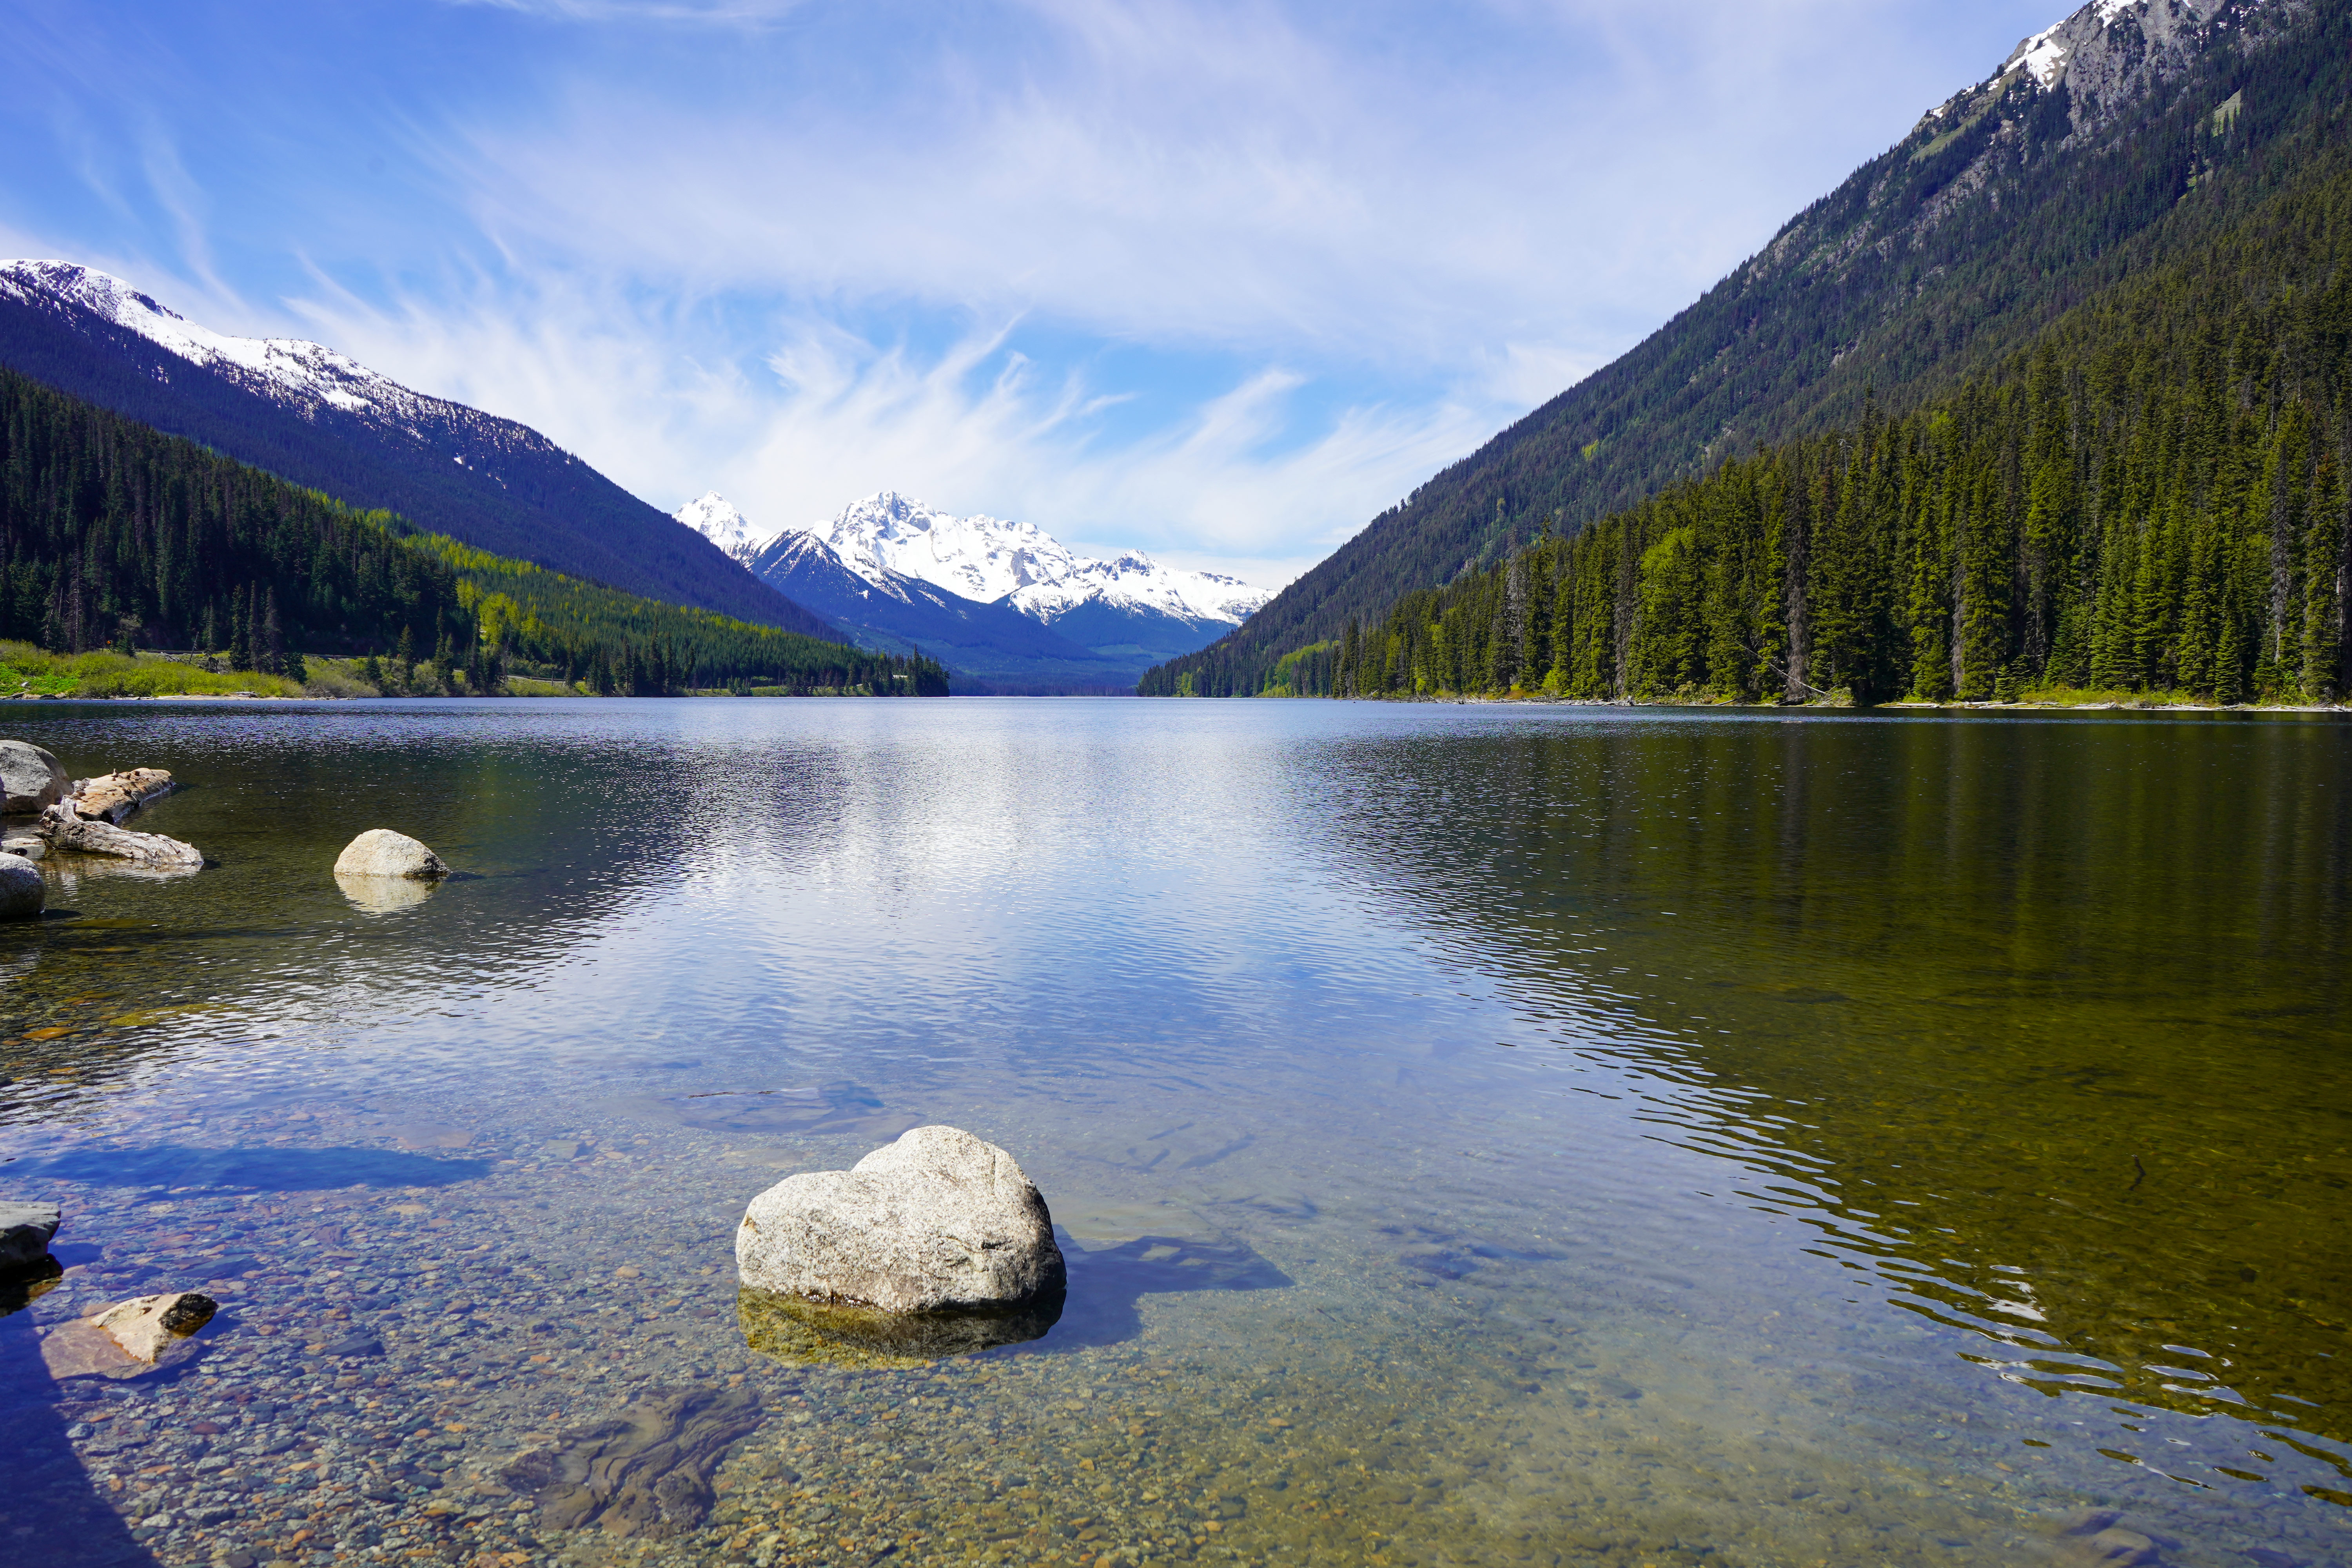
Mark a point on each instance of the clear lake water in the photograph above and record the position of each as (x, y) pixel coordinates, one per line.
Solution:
(1479, 1135)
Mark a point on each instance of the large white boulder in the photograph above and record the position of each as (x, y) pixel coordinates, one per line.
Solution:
(31, 778)
(938, 1221)
(381, 852)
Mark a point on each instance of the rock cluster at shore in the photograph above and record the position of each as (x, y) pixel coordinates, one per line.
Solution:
(85, 816)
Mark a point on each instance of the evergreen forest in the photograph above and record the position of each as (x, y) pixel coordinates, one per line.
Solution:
(113, 535)
(1869, 380)
(2149, 498)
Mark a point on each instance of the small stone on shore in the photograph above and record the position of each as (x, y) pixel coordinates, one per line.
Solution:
(25, 1231)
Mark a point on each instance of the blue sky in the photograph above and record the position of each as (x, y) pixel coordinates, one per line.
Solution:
(1216, 280)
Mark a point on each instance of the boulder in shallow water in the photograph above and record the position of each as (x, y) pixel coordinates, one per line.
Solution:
(23, 889)
(381, 852)
(32, 778)
(24, 1233)
(938, 1221)
(147, 1326)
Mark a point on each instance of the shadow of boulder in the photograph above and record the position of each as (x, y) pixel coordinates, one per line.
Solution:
(1106, 1286)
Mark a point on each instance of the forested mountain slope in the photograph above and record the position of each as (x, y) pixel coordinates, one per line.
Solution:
(2152, 499)
(314, 417)
(2127, 137)
(115, 534)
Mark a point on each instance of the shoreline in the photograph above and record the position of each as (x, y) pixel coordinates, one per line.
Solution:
(2124, 705)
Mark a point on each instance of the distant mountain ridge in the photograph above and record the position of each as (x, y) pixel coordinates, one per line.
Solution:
(992, 598)
(2010, 203)
(323, 419)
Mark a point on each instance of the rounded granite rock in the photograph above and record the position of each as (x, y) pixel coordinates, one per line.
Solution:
(381, 852)
(32, 779)
(23, 889)
(938, 1221)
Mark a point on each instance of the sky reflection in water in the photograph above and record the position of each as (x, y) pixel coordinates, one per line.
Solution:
(1792, 1137)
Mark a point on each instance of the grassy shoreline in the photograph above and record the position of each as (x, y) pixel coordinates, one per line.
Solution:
(29, 673)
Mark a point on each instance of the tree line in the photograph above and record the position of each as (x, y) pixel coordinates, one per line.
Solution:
(1933, 265)
(113, 534)
(2152, 498)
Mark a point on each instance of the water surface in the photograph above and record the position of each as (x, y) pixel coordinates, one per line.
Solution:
(1480, 1135)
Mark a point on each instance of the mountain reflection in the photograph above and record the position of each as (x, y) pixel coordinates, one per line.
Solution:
(548, 837)
(2028, 1019)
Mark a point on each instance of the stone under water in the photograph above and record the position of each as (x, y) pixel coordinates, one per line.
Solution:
(790, 1329)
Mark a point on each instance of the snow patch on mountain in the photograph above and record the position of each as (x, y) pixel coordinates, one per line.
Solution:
(289, 370)
(716, 519)
(887, 537)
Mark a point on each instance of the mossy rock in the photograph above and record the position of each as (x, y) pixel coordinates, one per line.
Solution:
(828, 1334)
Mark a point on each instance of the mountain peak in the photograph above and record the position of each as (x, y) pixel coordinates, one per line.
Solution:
(991, 559)
(2107, 50)
(324, 420)
(289, 370)
(714, 517)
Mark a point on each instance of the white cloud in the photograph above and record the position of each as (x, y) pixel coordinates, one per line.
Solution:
(1246, 481)
(1111, 266)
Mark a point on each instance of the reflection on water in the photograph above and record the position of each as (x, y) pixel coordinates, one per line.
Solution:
(2036, 1022)
(1478, 1136)
(802, 1333)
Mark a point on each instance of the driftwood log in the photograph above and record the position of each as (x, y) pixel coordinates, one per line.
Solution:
(67, 828)
(116, 796)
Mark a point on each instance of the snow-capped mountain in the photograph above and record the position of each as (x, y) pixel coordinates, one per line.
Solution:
(991, 560)
(2107, 51)
(1131, 611)
(716, 519)
(288, 371)
(322, 419)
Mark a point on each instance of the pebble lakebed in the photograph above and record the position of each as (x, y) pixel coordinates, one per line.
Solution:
(384, 1358)
(1424, 1318)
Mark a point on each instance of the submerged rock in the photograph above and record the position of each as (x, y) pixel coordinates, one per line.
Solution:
(381, 852)
(23, 889)
(32, 778)
(645, 1472)
(67, 828)
(25, 1230)
(937, 1222)
(793, 1329)
(146, 1326)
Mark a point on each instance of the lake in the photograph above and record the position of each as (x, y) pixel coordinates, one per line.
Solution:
(1478, 1136)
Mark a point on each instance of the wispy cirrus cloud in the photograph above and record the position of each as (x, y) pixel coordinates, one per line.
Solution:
(1222, 277)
